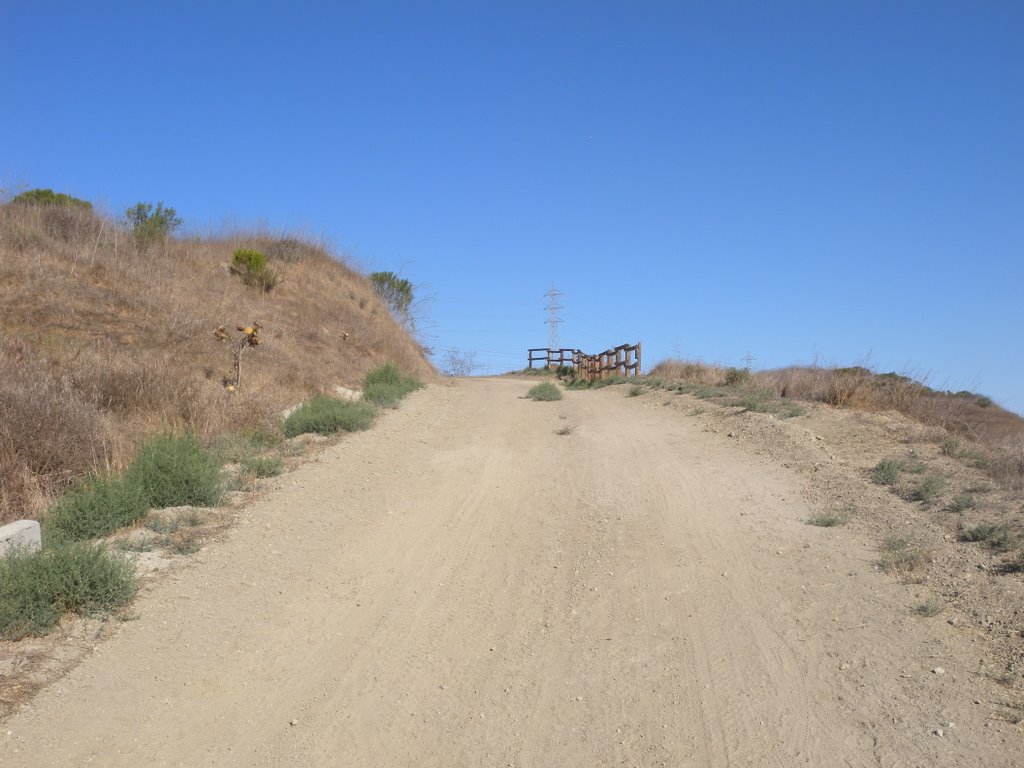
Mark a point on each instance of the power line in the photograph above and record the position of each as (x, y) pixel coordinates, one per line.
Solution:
(553, 318)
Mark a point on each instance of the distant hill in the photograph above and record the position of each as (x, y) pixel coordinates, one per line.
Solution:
(995, 435)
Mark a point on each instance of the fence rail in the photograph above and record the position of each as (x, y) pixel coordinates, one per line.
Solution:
(623, 360)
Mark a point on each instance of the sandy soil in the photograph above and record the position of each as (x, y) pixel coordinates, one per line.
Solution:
(464, 586)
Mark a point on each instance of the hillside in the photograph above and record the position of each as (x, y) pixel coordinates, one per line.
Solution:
(104, 340)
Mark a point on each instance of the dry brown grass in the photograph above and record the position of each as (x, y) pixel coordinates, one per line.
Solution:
(995, 437)
(102, 342)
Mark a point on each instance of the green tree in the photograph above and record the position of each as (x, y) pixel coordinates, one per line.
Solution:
(396, 293)
(149, 223)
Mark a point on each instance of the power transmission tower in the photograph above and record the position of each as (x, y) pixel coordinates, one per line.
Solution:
(553, 318)
(748, 360)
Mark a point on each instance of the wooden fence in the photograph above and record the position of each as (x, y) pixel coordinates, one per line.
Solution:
(623, 360)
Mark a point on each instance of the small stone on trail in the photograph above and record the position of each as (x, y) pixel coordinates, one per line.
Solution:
(938, 732)
(938, 671)
(293, 721)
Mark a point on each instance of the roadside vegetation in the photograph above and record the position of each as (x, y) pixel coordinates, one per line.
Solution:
(115, 395)
(545, 391)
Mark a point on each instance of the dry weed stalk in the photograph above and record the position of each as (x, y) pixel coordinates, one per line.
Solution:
(250, 338)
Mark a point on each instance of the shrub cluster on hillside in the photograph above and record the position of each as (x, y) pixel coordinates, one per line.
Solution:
(97, 354)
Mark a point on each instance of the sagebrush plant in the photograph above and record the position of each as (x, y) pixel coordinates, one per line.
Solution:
(930, 607)
(325, 415)
(96, 506)
(263, 466)
(545, 391)
(736, 376)
(963, 501)
(928, 488)
(887, 471)
(997, 536)
(37, 588)
(828, 519)
(387, 385)
(254, 269)
(901, 554)
(176, 470)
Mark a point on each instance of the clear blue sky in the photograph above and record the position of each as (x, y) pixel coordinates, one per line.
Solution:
(840, 182)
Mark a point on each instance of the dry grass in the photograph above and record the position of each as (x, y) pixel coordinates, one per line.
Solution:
(103, 342)
(989, 437)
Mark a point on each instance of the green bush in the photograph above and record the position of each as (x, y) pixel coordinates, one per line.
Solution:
(386, 386)
(250, 260)
(734, 376)
(396, 293)
(49, 197)
(235, 447)
(175, 470)
(149, 223)
(887, 471)
(928, 488)
(545, 391)
(997, 536)
(254, 270)
(95, 507)
(327, 415)
(263, 466)
(37, 588)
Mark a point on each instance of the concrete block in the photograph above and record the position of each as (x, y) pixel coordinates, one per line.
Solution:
(21, 533)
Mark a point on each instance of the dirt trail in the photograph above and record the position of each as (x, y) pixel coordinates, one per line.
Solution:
(462, 586)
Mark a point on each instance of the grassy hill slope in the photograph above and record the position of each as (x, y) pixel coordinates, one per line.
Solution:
(104, 340)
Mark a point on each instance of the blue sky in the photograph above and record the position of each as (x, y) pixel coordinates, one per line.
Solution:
(840, 182)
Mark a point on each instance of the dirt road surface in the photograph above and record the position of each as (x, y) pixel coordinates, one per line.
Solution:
(464, 586)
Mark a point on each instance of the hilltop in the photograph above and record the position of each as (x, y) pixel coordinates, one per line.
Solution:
(106, 337)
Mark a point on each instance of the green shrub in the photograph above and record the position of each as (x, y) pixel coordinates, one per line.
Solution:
(930, 607)
(37, 588)
(263, 466)
(235, 447)
(963, 501)
(386, 386)
(254, 270)
(734, 376)
(396, 293)
(928, 488)
(901, 553)
(327, 415)
(96, 506)
(827, 519)
(252, 261)
(49, 197)
(545, 391)
(997, 536)
(175, 470)
(148, 223)
(887, 471)
(951, 447)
